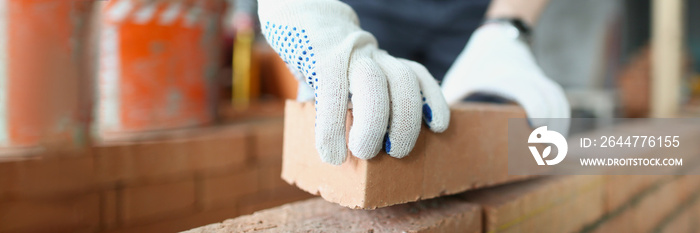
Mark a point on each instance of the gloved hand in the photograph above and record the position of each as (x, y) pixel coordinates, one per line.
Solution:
(323, 41)
(496, 62)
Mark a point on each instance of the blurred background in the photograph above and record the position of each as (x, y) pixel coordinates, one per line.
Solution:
(154, 115)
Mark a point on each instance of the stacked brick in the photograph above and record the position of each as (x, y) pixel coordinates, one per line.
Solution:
(660, 205)
(505, 203)
(541, 205)
(548, 204)
(155, 182)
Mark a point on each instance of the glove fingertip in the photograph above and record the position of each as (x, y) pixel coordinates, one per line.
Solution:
(332, 157)
(436, 113)
(332, 160)
(397, 150)
(363, 151)
(437, 119)
(439, 128)
(330, 145)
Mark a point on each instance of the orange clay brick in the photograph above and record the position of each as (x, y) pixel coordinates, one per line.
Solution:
(145, 160)
(226, 190)
(684, 218)
(159, 159)
(6, 180)
(651, 208)
(440, 164)
(619, 189)
(157, 201)
(111, 161)
(48, 177)
(73, 214)
(267, 141)
(541, 205)
(172, 153)
(317, 215)
(270, 176)
(109, 209)
(651, 211)
(225, 149)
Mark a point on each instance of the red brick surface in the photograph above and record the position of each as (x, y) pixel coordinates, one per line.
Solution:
(619, 189)
(54, 176)
(224, 190)
(73, 214)
(112, 162)
(266, 140)
(149, 202)
(685, 219)
(182, 154)
(173, 181)
(151, 182)
(541, 205)
(652, 208)
(158, 159)
(109, 209)
(221, 152)
(270, 178)
(547, 204)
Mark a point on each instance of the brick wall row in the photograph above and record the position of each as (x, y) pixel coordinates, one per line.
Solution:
(547, 204)
(168, 181)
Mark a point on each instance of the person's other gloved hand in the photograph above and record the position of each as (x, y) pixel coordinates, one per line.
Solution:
(323, 41)
(496, 62)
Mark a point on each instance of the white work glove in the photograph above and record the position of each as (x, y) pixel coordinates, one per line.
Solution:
(323, 41)
(496, 62)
